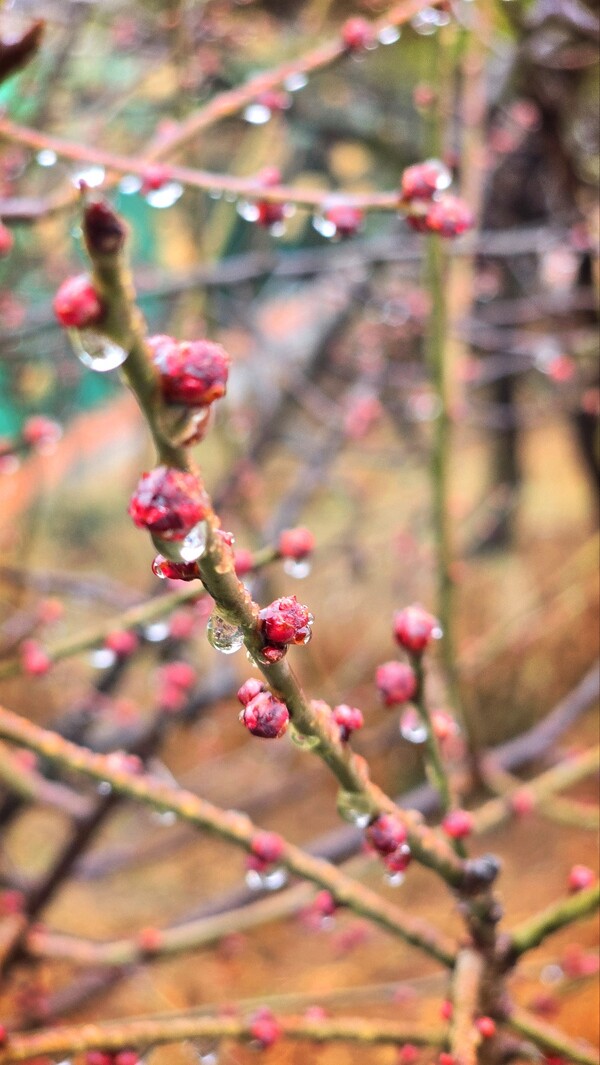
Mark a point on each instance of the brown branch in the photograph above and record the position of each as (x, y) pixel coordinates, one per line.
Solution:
(145, 1032)
(229, 825)
(466, 988)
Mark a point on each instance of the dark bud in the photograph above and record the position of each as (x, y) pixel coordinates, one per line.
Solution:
(15, 54)
(480, 873)
(103, 230)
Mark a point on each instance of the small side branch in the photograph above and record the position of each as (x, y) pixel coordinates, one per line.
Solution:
(556, 916)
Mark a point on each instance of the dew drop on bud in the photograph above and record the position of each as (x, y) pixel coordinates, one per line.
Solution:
(395, 879)
(324, 226)
(248, 211)
(102, 658)
(437, 633)
(297, 567)
(412, 727)
(165, 196)
(194, 545)
(354, 808)
(223, 636)
(96, 352)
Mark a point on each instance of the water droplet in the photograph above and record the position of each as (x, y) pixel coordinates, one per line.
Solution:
(389, 35)
(208, 1057)
(257, 114)
(354, 807)
(165, 196)
(305, 743)
(395, 879)
(129, 184)
(551, 974)
(90, 176)
(324, 226)
(102, 658)
(166, 818)
(437, 633)
(296, 81)
(95, 351)
(412, 728)
(222, 635)
(269, 880)
(104, 787)
(156, 631)
(428, 20)
(297, 567)
(248, 211)
(47, 157)
(194, 545)
(215, 194)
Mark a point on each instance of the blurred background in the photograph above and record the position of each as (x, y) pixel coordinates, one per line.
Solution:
(327, 423)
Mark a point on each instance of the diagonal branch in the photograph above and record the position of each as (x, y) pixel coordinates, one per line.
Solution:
(229, 825)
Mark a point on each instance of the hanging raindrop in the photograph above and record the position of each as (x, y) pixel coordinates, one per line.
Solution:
(46, 157)
(324, 226)
(193, 546)
(296, 81)
(95, 351)
(248, 211)
(223, 636)
(129, 184)
(389, 35)
(257, 114)
(102, 658)
(354, 808)
(269, 880)
(156, 631)
(166, 818)
(297, 567)
(90, 176)
(395, 879)
(165, 196)
(412, 728)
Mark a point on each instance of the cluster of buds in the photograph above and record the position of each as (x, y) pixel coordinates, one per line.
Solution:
(414, 629)
(387, 836)
(192, 374)
(262, 714)
(429, 208)
(283, 622)
(169, 503)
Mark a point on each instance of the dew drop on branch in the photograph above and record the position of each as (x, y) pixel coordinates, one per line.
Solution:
(222, 635)
(297, 567)
(96, 352)
(165, 196)
(412, 727)
(354, 808)
(47, 157)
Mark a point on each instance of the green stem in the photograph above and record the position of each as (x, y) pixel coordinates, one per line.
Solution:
(550, 1038)
(556, 916)
(434, 754)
